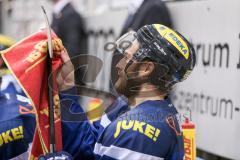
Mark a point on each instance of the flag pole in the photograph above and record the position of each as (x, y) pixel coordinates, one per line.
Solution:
(50, 83)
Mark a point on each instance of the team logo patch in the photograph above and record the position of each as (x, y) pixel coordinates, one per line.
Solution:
(174, 39)
(137, 126)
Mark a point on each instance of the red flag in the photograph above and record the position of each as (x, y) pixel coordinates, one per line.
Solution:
(27, 61)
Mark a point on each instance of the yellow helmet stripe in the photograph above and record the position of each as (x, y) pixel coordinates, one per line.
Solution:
(174, 39)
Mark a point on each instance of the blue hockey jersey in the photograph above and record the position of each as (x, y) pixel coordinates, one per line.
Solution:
(17, 125)
(150, 131)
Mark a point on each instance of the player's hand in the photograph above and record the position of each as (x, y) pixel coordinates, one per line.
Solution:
(65, 76)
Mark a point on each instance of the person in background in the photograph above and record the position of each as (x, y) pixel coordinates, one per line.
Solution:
(17, 120)
(143, 12)
(68, 24)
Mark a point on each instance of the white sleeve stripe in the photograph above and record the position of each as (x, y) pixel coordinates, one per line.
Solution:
(23, 99)
(105, 121)
(122, 153)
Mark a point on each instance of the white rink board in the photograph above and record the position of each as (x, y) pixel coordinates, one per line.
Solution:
(212, 92)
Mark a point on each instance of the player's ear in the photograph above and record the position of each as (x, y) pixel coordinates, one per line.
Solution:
(146, 69)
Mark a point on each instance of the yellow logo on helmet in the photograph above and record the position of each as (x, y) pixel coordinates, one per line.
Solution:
(174, 39)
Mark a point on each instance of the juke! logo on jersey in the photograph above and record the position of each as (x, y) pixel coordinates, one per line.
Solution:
(137, 126)
(11, 135)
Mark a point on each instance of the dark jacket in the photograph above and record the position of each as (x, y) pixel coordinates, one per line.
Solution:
(69, 26)
(150, 12)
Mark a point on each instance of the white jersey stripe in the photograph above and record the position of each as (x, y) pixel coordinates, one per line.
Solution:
(105, 121)
(122, 153)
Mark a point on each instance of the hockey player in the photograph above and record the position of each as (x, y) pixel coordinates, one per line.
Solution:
(142, 123)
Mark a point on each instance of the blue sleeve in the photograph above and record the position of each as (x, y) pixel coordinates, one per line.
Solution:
(17, 125)
(78, 135)
(177, 149)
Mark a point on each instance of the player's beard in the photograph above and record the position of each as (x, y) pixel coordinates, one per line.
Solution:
(120, 85)
(127, 86)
